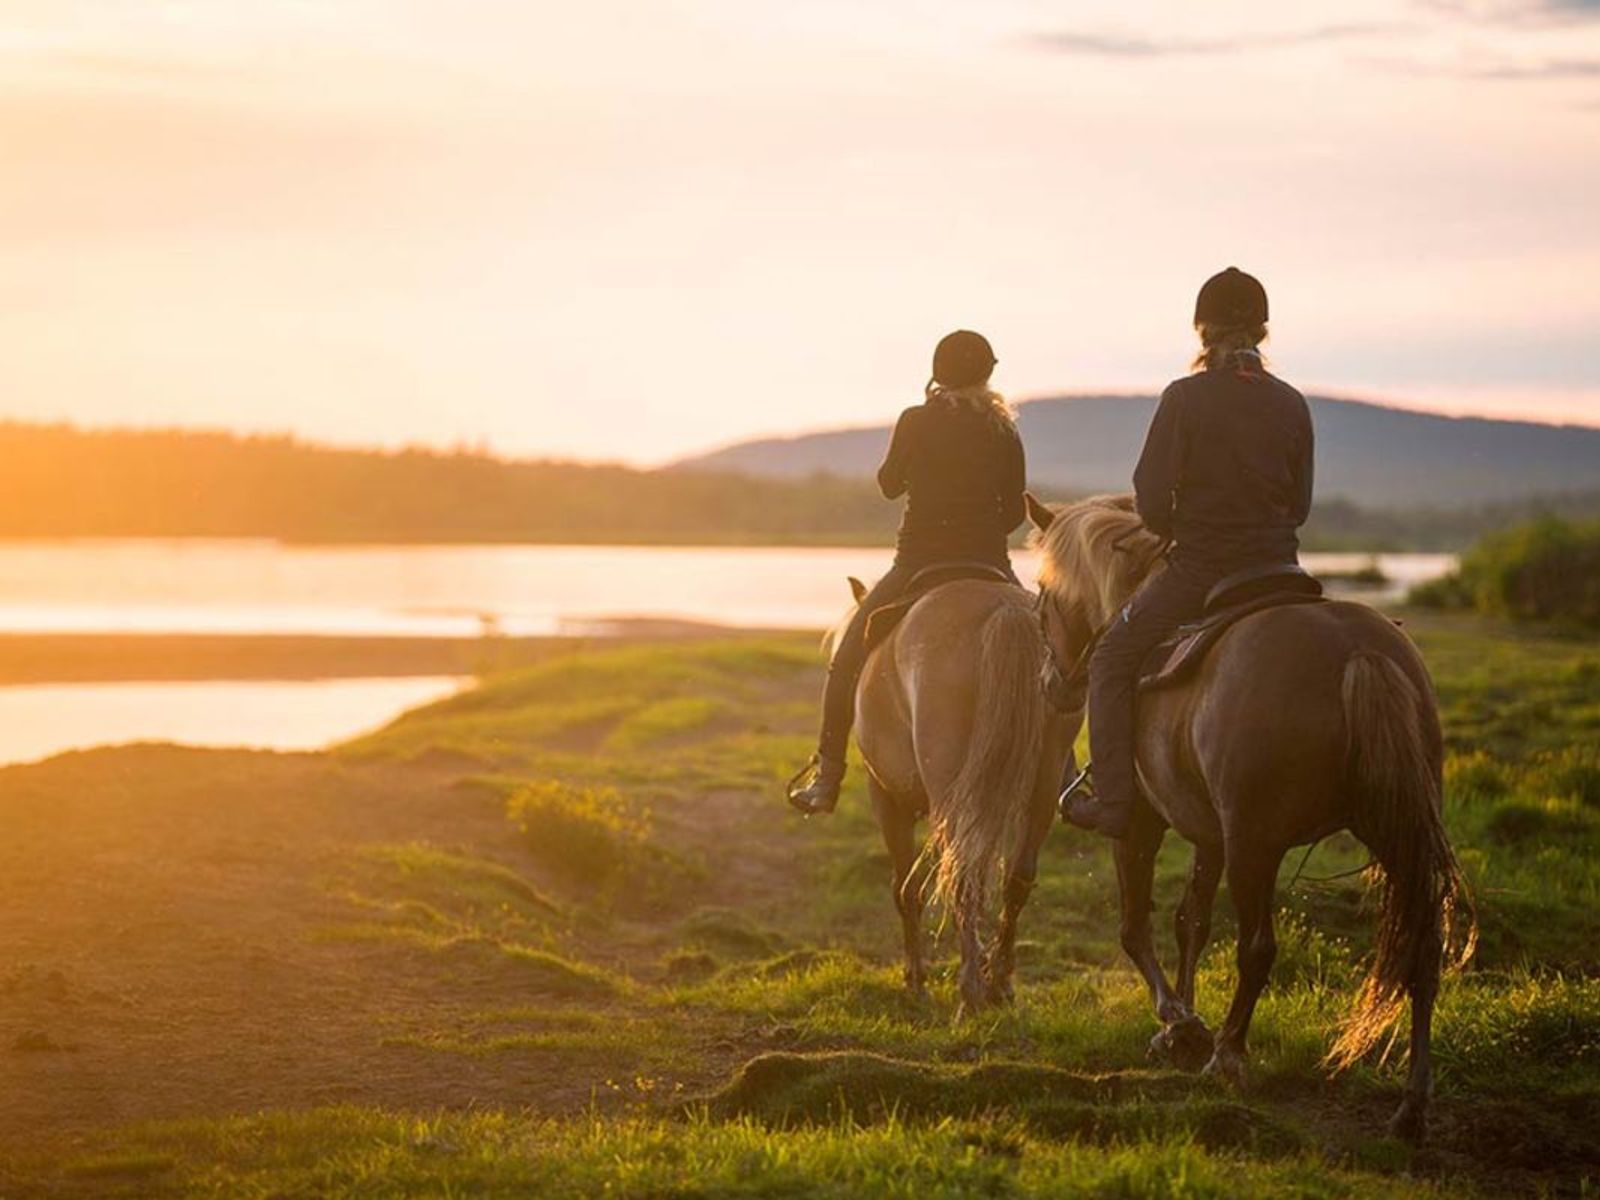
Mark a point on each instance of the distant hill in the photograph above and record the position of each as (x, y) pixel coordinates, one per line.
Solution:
(1367, 453)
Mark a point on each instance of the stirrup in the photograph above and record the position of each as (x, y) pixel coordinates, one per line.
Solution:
(1082, 785)
(803, 781)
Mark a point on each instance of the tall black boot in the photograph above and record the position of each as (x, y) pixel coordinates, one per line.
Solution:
(816, 788)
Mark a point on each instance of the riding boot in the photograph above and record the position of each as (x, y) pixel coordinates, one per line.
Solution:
(1102, 802)
(1083, 806)
(815, 789)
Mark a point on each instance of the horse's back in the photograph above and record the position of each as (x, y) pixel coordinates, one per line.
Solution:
(918, 697)
(1259, 737)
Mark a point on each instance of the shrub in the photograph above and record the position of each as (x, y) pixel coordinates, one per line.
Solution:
(588, 833)
(1546, 570)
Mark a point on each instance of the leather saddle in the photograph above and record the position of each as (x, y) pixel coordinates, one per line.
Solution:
(1233, 598)
(881, 622)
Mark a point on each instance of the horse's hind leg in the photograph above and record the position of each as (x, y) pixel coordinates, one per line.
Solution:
(1410, 1120)
(1252, 881)
(1021, 871)
(969, 916)
(898, 822)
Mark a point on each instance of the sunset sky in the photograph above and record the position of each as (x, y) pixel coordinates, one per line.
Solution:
(635, 228)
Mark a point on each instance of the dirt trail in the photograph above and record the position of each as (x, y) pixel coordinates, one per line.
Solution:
(165, 949)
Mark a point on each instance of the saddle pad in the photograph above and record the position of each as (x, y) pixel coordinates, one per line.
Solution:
(1174, 660)
(881, 622)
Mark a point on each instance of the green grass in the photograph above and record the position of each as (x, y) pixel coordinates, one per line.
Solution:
(637, 783)
(347, 1153)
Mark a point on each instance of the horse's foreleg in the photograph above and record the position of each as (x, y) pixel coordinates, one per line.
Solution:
(1135, 857)
(1021, 872)
(1187, 1043)
(1193, 922)
(1252, 880)
(898, 824)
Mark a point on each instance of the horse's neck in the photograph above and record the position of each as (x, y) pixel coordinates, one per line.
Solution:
(1115, 599)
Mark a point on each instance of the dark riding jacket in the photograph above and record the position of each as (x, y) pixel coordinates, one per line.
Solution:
(1227, 466)
(963, 474)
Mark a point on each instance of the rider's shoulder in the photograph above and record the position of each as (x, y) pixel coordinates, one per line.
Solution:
(1175, 391)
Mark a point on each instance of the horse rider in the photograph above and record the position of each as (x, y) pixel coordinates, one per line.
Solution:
(1225, 476)
(958, 460)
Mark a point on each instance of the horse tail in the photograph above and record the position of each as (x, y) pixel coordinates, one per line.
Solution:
(1425, 917)
(987, 803)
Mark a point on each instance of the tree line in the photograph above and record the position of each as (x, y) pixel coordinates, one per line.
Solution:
(59, 481)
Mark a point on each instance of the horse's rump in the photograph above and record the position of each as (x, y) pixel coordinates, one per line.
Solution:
(951, 706)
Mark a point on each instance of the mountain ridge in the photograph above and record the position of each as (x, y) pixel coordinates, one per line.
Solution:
(1367, 452)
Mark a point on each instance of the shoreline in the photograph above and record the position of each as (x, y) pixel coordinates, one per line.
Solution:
(172, 658)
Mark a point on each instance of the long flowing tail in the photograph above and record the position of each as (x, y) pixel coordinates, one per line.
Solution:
(1425, 918)
(988, 801)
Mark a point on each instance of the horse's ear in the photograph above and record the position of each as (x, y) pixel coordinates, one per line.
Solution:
(857, 588)
(1038, 511)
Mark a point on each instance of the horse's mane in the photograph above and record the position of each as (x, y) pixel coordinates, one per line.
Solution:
(1095, 555)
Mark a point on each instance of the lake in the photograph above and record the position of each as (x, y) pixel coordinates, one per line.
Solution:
(248, 587)
(139, 586)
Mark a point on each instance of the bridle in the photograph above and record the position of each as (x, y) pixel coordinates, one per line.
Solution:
(1059, 684)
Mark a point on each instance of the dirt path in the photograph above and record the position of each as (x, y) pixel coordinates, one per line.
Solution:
(164, 942)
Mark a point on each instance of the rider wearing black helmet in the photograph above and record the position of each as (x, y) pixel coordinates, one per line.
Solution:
(1225, 476)
(958, 460)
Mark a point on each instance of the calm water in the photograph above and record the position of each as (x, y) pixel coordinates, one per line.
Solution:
(243, 587)
(37, 720)
(448, 591)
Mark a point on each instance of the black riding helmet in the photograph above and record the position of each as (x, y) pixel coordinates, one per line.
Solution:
(962, 359)
(1231, 297)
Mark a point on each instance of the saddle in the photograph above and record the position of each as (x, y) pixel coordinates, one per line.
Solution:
(1233, 598)
(881, 621)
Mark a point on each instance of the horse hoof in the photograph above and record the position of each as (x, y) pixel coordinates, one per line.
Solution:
(1410, 1122)
(1186, 1044)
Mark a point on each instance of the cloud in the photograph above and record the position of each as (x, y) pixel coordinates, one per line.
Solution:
(1524, 13)
(1114, 45)
(1554, 68)
(1495, 71)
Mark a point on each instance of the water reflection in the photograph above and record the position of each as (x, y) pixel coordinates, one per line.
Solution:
(240, 587)
(37, 720)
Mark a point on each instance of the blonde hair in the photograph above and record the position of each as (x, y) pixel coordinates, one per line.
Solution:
(975, 397)
(1217, 342)
(1094, 556)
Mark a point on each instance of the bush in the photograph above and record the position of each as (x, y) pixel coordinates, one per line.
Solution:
(587, 833)
(1547, 570)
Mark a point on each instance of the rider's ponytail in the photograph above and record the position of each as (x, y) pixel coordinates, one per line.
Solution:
(978, 398)
(1219, 343)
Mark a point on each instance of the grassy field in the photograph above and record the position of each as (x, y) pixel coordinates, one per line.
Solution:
(560, 937)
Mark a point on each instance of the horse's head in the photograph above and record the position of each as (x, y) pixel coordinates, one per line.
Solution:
(1093, 555)
(1065, 636)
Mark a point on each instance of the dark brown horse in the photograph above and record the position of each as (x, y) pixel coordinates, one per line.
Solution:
(953, 725)
(1302, 721)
